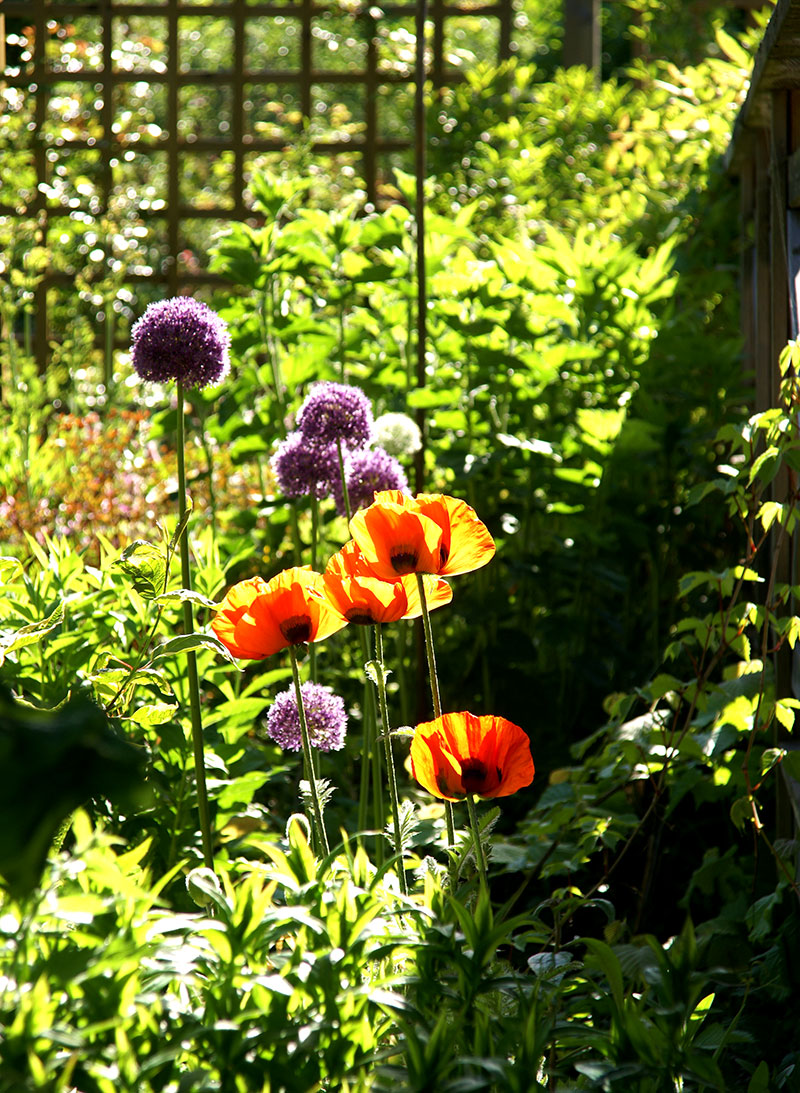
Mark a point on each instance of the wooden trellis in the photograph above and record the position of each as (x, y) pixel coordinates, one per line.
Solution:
(259, 104)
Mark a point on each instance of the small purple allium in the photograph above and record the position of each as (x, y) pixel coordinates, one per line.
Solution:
(368, 470)
(304, 468)
(335, 411)
(325, 717)
(181, 339)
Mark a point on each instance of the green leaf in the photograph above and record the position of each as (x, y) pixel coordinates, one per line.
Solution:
(10, 569)
(741, 812)
(156, 713)
(785, 714)
(33, 632)
(188, 643)
(603, 957)
(146, 565)
(183, 595)
(759, 1082)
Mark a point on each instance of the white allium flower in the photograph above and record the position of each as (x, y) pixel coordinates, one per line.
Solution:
(398, 434)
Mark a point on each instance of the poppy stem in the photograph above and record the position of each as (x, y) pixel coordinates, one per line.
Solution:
(317, 823)
(476, 842)
(387, 741)
(435, 697)
(192, 680)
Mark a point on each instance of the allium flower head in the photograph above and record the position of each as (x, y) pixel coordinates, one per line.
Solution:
(305, 467)
(325, 717)
(181, 339)
(336, 411)
(368, 471)
(398, 434)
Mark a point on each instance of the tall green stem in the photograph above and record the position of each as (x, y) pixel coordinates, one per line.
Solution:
(435, 698)
(318, 826)
(387, 741)
(345, 494)
(476, 842)
(191, 660)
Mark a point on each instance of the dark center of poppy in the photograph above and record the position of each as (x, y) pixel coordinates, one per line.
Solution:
(474, 775)
(404, 560)
(296, 629)
(361, 616)
(444, 554)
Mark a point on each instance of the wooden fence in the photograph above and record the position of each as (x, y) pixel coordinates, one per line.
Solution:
(134, 71)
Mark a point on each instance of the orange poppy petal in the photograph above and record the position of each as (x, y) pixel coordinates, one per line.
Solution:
(466, 541)
(233, 613)
(258, 618)
(365, 600)
(459, 754)
(437, 594)
(433, 766)
(396, 539)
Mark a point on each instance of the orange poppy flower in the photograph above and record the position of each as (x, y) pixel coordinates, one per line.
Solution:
(362, 597)
(432, 533)
(258, 618)
(459, 754)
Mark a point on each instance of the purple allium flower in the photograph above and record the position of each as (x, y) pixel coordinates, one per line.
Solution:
(303, 467)
(399, 434)
(181, 339)
(368, 470)
(335, 411)
(325, 717)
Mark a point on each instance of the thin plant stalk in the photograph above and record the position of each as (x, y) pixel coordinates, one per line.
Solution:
(312, 652)
(435, 697)
(390, 767)
(372, 755)
(191, 660)
(321, 837)
(476, 842)
(343, 476)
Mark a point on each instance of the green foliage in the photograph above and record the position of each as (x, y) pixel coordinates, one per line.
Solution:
(582, 355)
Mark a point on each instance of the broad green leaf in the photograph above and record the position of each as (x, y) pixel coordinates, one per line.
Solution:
(146, 565)
(156, 713)
(188, 643)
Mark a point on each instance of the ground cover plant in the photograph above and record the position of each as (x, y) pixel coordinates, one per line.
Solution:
(370, 733)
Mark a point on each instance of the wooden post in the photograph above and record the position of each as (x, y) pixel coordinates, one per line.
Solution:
(582, 33)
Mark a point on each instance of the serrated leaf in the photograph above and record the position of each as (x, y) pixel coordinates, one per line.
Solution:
(182, 595)
(146, 565)
(187, 643)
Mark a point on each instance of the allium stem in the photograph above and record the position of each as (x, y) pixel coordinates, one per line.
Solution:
(435, 698)
(317, 824)
(191, 660)
(387, 742)
(345, 495)
(476, 842)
